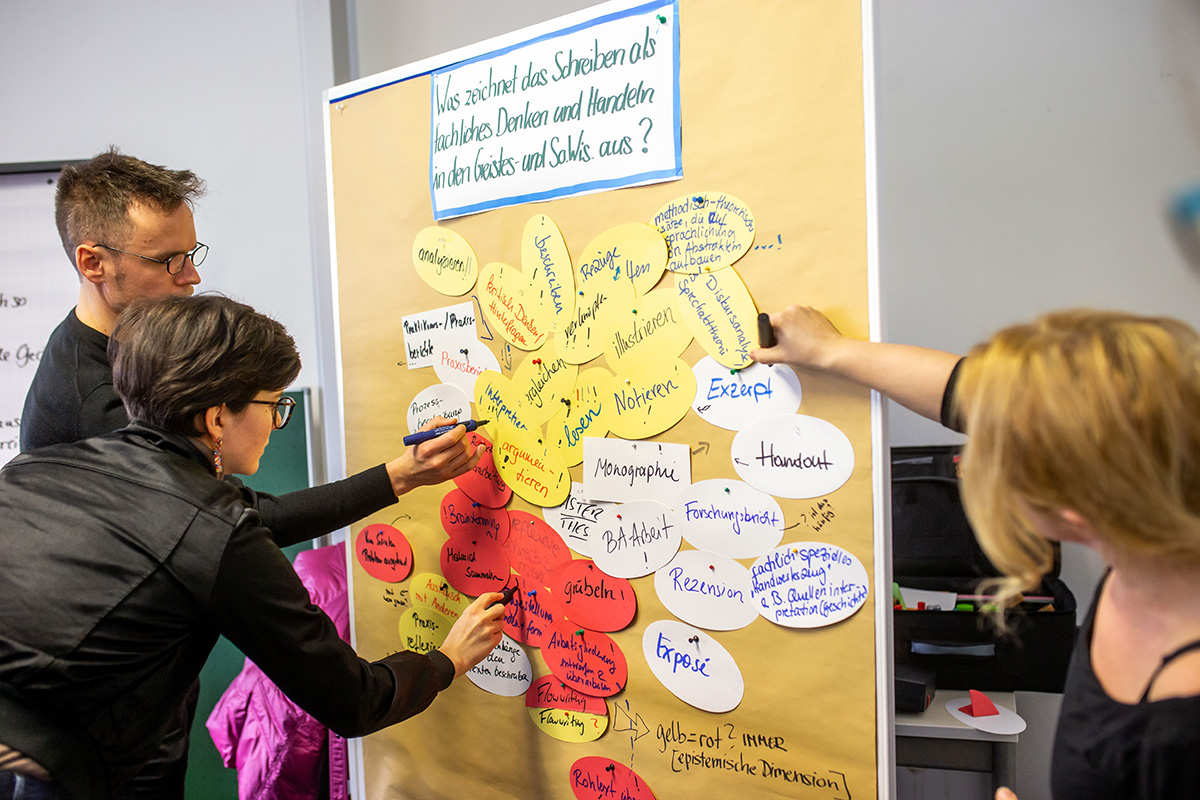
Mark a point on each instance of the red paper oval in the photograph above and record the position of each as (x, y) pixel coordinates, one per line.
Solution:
(484, 484)
(592, 598)
(596, 778)
(462, 516)
(549, 692)
(589, 661)
(528, 615)
(384, 553)
(474, 564)
(534, 548)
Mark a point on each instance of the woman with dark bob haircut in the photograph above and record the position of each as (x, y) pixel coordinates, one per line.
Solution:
(124, 557)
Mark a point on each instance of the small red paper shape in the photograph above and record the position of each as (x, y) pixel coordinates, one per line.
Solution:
(588, 661)
(549, 692)
(597, 778)
(534, 548)
(384, 553)
(528, 616)
(484, 484)
(474, 565)
(980, 706)
(592, 598)
(462, 516)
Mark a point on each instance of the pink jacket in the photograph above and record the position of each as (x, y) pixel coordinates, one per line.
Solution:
(277, 748)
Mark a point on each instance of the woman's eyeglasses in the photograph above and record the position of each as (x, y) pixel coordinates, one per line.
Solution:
(283, 409)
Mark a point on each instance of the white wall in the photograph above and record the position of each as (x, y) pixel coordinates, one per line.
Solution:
(391, 34)
(226, 88)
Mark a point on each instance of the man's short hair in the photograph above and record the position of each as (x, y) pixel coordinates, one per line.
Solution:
(93, 198)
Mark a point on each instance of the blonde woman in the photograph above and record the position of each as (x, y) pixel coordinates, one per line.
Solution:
(1084, 427)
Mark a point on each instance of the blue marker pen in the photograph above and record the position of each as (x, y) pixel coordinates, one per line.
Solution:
(425, 436)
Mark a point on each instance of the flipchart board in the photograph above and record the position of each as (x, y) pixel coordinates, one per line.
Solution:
(526, 233)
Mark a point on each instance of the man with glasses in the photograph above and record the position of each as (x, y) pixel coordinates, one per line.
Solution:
(127, 229)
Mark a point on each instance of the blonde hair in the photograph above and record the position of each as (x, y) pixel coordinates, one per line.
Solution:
(1093, 411)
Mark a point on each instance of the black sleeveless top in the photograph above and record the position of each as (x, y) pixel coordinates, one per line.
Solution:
(1105, 749)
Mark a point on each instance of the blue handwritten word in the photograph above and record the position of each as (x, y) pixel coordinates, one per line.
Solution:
(548, 266)
(677, 658)
(627, 401)
(573, 432)
(736, 389)
(693, 510)
(691, 585)
(607, 260)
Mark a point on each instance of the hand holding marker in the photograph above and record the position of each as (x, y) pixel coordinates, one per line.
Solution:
(507, 592)
(425, 436)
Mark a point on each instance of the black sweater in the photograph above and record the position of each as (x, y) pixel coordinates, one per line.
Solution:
(122, 559)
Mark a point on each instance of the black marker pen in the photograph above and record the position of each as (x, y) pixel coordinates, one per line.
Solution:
(766, 334)
(508, 592)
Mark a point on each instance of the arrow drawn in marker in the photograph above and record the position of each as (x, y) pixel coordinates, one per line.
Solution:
(631, 722)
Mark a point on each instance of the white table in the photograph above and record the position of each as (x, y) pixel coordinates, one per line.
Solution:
(934, 739)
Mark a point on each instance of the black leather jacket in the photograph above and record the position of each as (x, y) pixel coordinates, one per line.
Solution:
(122, 558)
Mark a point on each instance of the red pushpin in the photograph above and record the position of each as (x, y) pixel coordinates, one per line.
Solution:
(980, 706)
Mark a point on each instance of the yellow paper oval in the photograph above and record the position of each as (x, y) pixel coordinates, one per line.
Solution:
(705, 231)
(536, 471)
(650, 395)
(653, 325)
(541, 380)
(604, 293)
(718, 309)
(498, 401)
(512, 307)
(445, 260)
(430, 590)
(569, 726)
(423, 629)
(586, 413)
(547, 262)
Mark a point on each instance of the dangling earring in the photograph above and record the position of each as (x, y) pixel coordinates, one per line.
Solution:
(217, 458)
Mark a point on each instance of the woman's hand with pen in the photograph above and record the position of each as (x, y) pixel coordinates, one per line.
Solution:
(476, 633)
(436, 460)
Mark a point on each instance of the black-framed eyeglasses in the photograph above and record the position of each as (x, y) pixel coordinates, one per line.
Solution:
(282, 408)
(175, 263)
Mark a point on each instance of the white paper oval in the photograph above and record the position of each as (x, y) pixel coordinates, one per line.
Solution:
(730, 399)
(439, 400)
(579, 520)
(706, 589)
(793, 456)
(505, 671)
(639, 538)
(729, 517)
(459, 359)
(693, 666)
(808, 584)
